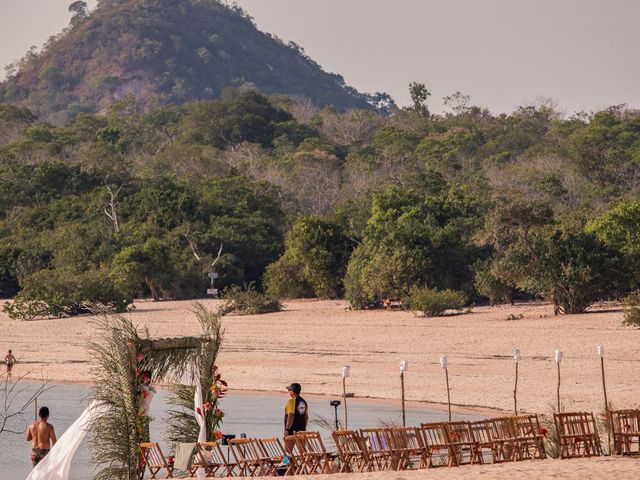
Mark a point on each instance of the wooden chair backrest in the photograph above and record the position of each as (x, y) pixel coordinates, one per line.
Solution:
(625, 421)
(459, 432)
(310, 443)
(434, 434)
(526, 425)
(348, 442)
(376, 439)
(481, 431)
(272, 448)
(406, 438)
(503, 429)
(575, 423)
(245, 449)
(210, 453)
(153, 455)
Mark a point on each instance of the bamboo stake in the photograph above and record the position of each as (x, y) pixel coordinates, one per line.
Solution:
(344, 401)
(404, 420)
(446, 374)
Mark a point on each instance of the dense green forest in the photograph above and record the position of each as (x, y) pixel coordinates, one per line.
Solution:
(165, 52)
(318, 202)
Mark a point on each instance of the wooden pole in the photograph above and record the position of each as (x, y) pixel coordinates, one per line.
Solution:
(558, 387)
(446, 375)
(606, 405)
(344, 401)
(515, 392)
(404, 420)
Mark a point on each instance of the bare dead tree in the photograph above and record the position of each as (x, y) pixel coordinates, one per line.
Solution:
(194, 249)
(113, 215)
(15, 399)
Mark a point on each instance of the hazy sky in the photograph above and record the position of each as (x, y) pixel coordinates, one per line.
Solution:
(583, 54)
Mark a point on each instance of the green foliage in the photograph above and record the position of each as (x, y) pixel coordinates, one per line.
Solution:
(632, 312)
(431, 302)
(571, 270)
(489, 285)
(249, 301)
(314, 262)
(413, 240)
(60, 293)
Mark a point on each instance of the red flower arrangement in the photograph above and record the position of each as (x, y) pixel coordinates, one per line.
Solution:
(218, 434)
(207, 406)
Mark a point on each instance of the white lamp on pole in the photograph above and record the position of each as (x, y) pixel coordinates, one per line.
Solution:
(558, 359)
(404, 365)
(346, 371)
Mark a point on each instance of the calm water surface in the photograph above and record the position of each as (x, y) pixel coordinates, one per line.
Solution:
(253, 415)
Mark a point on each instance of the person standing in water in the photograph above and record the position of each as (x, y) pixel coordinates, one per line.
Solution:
(10, 360)
(42, 436)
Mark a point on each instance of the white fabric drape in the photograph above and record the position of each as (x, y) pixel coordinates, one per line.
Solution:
(57, 463)
(198, 406)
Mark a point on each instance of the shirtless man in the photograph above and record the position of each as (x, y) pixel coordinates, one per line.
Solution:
(9, 359)
(41, 435)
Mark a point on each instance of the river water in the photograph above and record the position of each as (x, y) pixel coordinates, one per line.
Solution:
(256, 415)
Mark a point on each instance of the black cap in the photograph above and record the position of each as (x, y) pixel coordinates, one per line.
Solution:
(295, 388)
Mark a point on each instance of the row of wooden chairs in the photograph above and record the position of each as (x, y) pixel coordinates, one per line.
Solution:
(440, 444)
(398, 448)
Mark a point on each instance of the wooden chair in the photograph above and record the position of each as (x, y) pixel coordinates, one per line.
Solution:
(273, 451)
(578, 434)
(529, 440)
(314, 458)
(249, 457)
(378, 447)
(435, 440)
(482, 432)
(503, 435)
(407, 448)
(353, 454)
(626, 431)
(210, 457)
(154, 459)
(461, 439)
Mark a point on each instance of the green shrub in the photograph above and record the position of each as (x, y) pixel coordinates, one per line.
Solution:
(489, 285)
(63, 293)
(431, 302)
(249, 301)
(284, 279)
(632, 314)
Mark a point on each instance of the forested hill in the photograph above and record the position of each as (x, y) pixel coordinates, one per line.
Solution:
(163, 51)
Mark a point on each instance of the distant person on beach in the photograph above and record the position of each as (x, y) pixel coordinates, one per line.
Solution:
(10, 360)
(41, 435)
(147, 395)
(296, 412)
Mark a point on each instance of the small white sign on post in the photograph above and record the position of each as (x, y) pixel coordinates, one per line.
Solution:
(516, 355)
(600, 350)
(346, 370)
(404, 366)
(212, 291)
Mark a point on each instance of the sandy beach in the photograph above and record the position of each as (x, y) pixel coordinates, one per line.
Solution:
(311, 340)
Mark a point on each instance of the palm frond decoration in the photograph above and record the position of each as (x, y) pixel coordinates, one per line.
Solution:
(121, 355)
(183, 426)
